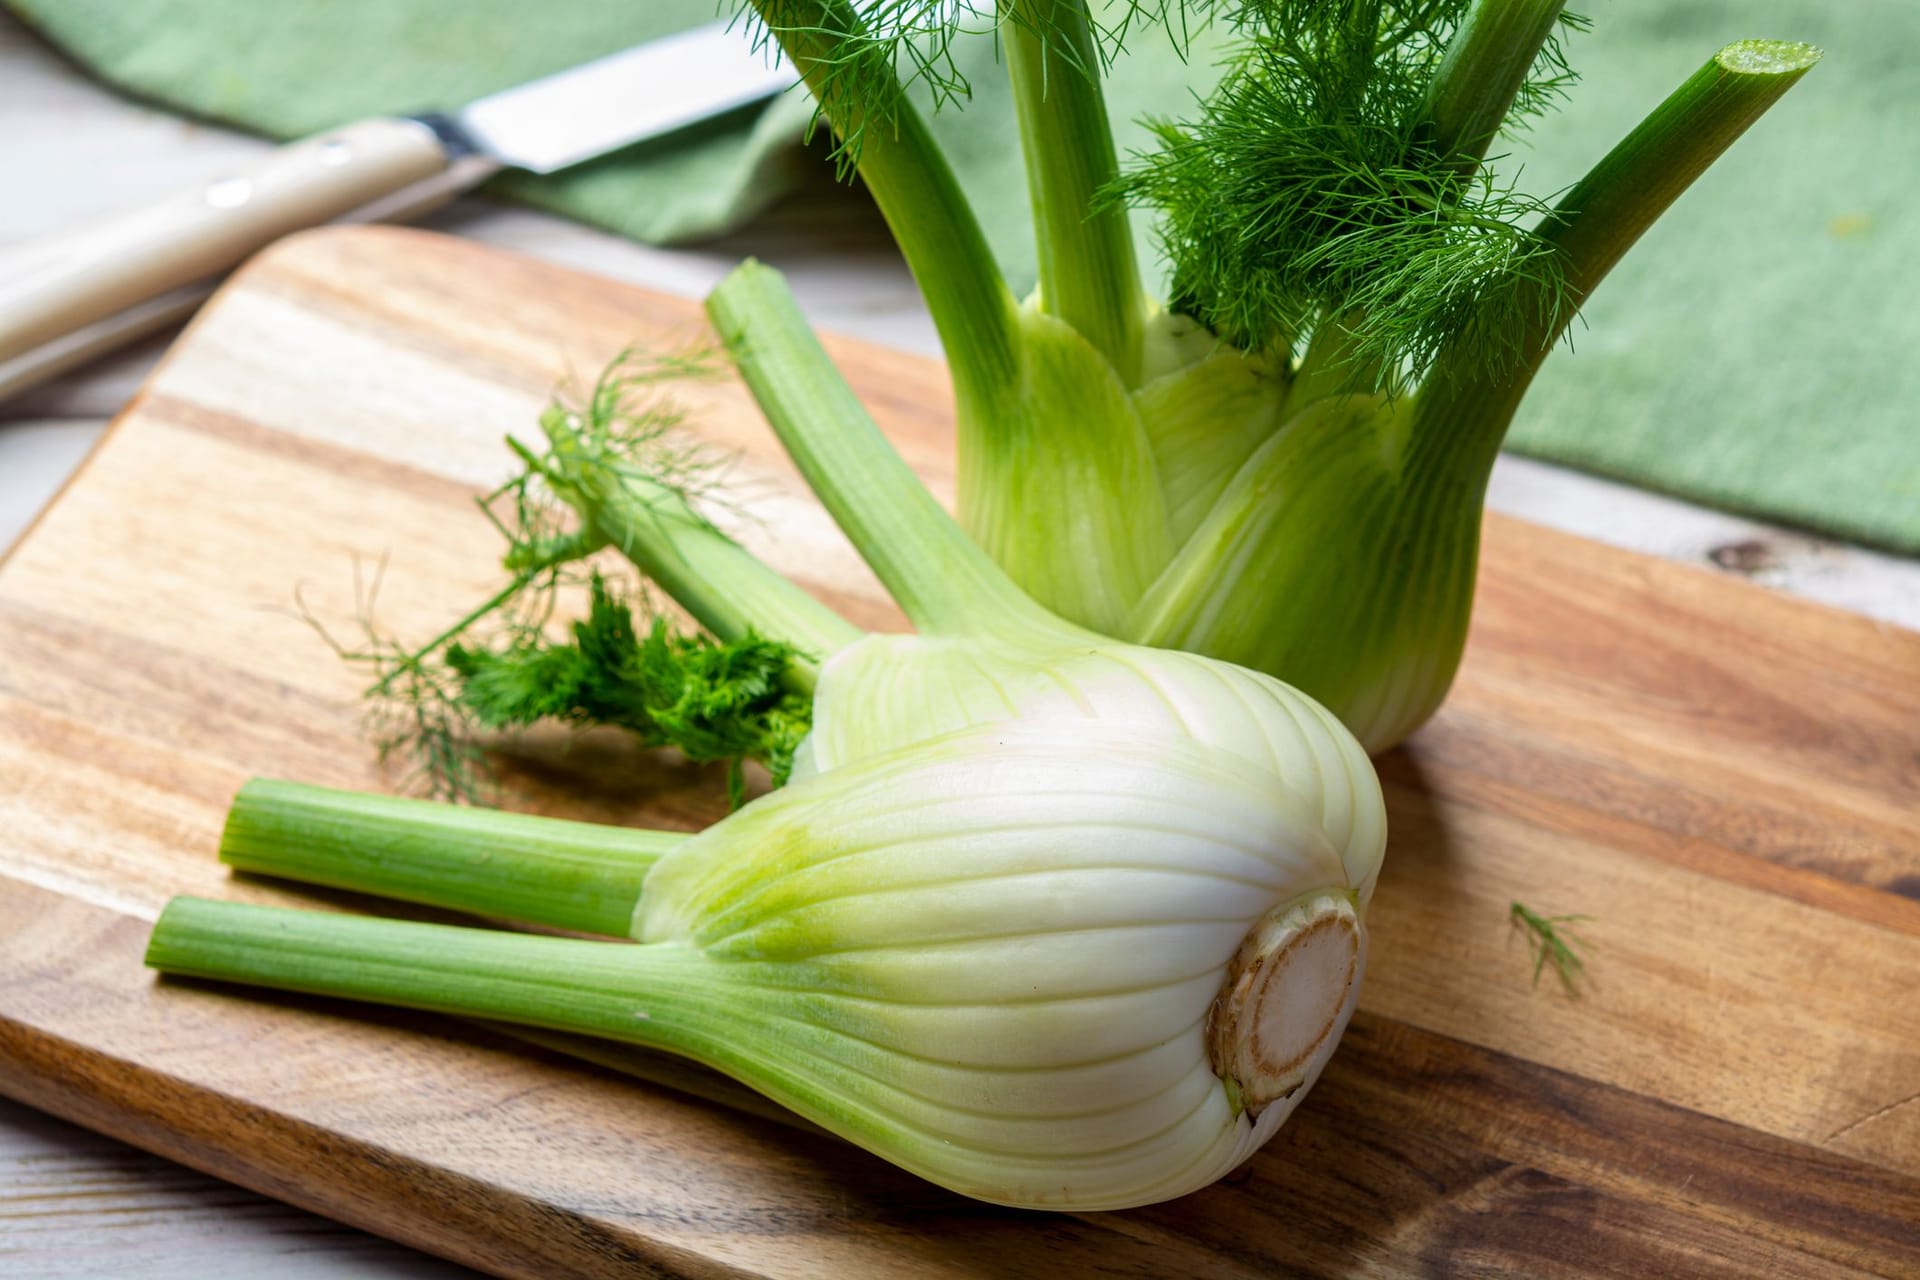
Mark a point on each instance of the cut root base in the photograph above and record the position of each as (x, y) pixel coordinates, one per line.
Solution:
(1288, 994)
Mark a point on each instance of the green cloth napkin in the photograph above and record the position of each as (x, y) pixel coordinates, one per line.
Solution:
(1759, 350)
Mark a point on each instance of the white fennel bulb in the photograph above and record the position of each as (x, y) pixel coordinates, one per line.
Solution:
(1045, 964)
(1047, 918)
(1052, 963)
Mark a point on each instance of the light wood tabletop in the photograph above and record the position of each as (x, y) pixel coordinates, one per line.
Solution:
(75, 1204)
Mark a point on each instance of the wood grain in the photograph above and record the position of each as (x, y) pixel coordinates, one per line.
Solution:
(1729, 782)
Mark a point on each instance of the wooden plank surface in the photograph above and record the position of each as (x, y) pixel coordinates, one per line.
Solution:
(1728, 781)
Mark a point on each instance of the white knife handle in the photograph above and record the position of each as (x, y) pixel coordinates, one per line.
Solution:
(54, 286)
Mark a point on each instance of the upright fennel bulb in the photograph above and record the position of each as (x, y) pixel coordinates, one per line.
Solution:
(1048, 918)
(1283, 465)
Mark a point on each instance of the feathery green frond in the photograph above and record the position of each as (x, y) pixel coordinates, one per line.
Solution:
(1549, 940)
(502, 667)
(1309, 194)
(713, 700)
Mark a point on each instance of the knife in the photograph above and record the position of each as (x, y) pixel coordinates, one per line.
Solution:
(75, 294)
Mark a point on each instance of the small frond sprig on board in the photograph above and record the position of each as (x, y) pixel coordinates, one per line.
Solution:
(415, 711)
(1551, 940)
(510, 663)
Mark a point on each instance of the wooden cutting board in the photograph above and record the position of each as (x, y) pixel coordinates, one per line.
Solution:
(1726, 781)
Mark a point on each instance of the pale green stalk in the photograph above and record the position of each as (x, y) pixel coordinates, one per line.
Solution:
(1486, 63)
(910, 180)
(1058, 479)
(1600, 219)
(1595, 224)
(1088, 275)
(565, 875)
(941, 579)
(661, 995)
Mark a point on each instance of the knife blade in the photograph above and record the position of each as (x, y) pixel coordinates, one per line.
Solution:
(651, 91)
(63, 287)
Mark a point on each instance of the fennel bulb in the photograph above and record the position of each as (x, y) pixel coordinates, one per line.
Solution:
(1041, 964)
(1051, 965)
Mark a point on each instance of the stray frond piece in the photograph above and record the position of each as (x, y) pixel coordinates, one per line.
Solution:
(714, 700)
(1550, 940)
(501, 667)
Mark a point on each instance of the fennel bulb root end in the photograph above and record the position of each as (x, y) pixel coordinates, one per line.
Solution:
(1289, 993)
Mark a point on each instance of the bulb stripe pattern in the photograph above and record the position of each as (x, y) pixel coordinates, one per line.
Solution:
(1009, 986)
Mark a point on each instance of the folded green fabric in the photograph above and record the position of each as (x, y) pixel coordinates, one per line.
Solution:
(1755, 351)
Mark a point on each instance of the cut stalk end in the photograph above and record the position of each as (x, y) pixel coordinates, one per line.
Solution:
(1289, 993)
(1767, 57)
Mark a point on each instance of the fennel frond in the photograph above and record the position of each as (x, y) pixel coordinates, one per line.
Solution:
(1549, 940)
(505, 665)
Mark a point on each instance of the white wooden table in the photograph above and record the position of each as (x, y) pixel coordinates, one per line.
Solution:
(75, 1204)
